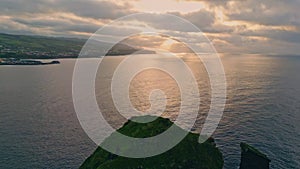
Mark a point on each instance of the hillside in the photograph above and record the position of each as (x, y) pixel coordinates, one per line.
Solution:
(39, 47)
(20, 46)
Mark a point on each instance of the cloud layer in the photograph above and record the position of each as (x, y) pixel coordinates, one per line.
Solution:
(269, 26)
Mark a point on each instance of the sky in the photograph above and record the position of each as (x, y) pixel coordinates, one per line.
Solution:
(233, 26)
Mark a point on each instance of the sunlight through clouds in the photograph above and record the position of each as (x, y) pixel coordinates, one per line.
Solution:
(167, 6)
(229, 24)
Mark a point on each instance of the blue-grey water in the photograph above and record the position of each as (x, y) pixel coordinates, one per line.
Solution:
(39, 127)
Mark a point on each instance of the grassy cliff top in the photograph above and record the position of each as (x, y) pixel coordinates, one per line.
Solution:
(187, 154)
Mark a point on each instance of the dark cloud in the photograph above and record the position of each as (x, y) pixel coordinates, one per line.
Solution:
(55, 17)
(41, 22)
(202, 18)
(58, 24)
(176, 21)
(281, 35)
(95, 9)
(17, 7)
(87, 8)
(266, 12)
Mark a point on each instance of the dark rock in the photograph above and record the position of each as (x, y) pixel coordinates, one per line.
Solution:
(55, 62)
(252, 158)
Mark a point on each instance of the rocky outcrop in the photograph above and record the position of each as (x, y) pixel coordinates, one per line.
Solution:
(252, 158)
(188, 154)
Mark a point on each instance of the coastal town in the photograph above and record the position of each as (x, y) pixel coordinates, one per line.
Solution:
(15, 61)
(27, 52)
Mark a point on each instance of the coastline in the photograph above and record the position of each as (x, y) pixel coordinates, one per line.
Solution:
(29, 62)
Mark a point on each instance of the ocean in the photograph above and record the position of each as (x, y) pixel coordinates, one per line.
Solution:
(39, 127)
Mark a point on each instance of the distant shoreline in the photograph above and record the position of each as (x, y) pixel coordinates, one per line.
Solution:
(14, 61)
(39, 47)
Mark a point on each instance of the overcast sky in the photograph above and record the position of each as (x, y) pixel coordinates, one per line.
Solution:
(238, 26)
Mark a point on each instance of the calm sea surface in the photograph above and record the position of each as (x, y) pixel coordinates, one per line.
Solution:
(39, 127)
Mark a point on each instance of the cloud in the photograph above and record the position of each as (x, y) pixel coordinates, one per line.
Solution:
(55, 17)
(176, 21)
(230, 25)
(95, 9)
(281, 35)
(270, 26)
(64, 22)
(202, 19)
(17, 7)
(87, 8)
(267, 12)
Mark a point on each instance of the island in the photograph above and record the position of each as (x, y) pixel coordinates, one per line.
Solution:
(188, 154)
(15, 61)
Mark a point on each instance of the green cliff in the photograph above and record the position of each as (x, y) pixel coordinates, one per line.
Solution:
(188, 154)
